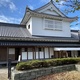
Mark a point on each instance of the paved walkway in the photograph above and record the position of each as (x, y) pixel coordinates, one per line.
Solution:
(3, 74)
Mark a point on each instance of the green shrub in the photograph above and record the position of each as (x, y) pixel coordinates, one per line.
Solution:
(23, 66)
(50, 62)
(70, 61)
(36, 63)
(46, 63)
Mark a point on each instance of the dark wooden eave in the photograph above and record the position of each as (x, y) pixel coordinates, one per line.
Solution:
(39, 39)
(37, 43)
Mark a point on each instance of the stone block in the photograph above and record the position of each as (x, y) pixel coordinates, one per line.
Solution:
(16, 76)
(43, 72)
(77, 67)
(48, 71)
(38, 73)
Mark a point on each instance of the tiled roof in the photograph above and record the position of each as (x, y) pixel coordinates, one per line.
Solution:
(18, 32)
(13, 30)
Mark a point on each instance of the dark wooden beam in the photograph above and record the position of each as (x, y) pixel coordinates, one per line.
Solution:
(21, 53)
(33, 49)
(49, 51)
(7, 55)
(38, 53)
(35, 52)
(27, 53)
(44, 52)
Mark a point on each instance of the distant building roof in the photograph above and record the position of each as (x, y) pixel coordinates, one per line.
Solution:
(13, 30)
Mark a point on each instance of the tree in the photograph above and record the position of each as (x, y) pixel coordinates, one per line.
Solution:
(70, 5)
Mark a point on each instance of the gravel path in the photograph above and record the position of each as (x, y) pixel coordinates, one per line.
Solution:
(3, 74)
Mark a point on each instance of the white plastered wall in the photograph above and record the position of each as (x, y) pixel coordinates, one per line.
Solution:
(51, 52)
(24, 55)
(38, 29)
(29, 23)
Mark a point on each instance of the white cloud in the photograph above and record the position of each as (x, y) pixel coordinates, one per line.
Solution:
(61, 2)
(75, 28)
(12, 6)
(31, 7)
(8, 3)
(9, 19)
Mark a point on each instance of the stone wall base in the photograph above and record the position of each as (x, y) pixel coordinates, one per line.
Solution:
(35, 73)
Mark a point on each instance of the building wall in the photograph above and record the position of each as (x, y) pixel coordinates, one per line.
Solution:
(29, 23)
(48, 52)
(38, 29)
(44, 53)
(3, 54)
(12, 53)
(51, 52)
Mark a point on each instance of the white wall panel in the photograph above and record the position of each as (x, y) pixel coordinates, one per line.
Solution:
(29, 23)
(11, 50)
(41, 55)
(30, 55)
(24, 55)
(51, 52)
(46, 53)
(37, 55)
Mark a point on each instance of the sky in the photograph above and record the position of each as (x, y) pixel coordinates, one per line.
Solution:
(12, 11)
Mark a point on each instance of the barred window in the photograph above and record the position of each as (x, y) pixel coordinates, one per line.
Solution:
(58, 25)
(53, 24)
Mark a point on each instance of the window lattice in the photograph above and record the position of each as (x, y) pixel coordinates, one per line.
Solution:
(53, 24)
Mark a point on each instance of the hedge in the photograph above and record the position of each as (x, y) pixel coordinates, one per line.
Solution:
(46, 63)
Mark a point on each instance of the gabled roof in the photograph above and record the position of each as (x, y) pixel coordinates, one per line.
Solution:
(29, 13)
(48, 4)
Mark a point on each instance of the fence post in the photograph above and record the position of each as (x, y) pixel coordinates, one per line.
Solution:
(9, 69)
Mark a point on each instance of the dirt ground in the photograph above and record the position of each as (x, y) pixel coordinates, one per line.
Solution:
(3, 74)
(72, 75)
